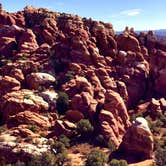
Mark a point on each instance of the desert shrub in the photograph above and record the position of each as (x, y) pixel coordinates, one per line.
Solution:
(84, 127)
(61, 158)
(69, 76)
(160, 157)
(111, 145)
(33, 127)
(134, 116)
(123, 162)
(46, 159)
(65, 140)
(58, 66)
(162, 118)
(100, 140)
(58, 147)
(62, 102)
(96, 158)
(115, 162)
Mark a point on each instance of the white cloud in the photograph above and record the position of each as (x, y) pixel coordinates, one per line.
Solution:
(132, 12)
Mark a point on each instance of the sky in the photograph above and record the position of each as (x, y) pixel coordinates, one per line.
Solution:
(140, 14)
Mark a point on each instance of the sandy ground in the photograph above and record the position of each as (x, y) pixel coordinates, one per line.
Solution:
(77, 155)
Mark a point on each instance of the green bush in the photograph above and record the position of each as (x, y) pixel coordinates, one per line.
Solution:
(58, 66)
(160, 156)
(46, 159)
(65, 140)
(61, 158)
(96, 158)
(100, 140)
(111, 145)
(58, 147)
(33, 128)
(84, 127)
(115, 162)
(62, 102)
(69, 76)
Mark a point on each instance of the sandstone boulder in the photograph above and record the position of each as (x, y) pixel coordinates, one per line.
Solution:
(17, 74)
(9, 84)
(7, 45)
(74, 116)
(35, 80)
(138, 139)
(127, 42)
(19, 101)
(28, 117)
(114, 119)
(27, 42)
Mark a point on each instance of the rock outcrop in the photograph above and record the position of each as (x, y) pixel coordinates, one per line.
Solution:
(35, 80)
(139, 139)
(103, 74)
(18, 101)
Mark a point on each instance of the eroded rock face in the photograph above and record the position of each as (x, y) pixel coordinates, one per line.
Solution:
(127, 42)
(28, 117)
(114, 119)
(103, 74)
(9, 84)
(19, 101)
(139, 139)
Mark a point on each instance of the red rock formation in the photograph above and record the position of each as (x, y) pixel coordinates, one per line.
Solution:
(138, 139)
(103, 74)
(8, 84)
(18, 101)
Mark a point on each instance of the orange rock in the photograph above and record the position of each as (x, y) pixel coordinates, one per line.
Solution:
(127, 43)
(74, 116)
(138, 139)
(19, 101)
(17, 73)
(28, 117)
(8, 84)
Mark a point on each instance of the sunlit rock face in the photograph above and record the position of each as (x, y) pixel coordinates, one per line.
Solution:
(104, 75)
(139, 139)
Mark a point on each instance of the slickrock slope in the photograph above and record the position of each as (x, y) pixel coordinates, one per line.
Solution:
(104, 74)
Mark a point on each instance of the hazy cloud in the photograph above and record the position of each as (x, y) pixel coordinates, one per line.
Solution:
(132, 12)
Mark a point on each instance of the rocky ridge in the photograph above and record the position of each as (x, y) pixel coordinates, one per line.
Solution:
(104, 74)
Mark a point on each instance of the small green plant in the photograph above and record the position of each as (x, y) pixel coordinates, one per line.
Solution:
(65, 140)
(61, 158)
(62, 102)
(43, 135)
(134, 116)
(160, 157)
(96, 158)
(58, 66)
(58, 147)
(115, 162)
(69, 76)
(33, 128)
(100, 140)
(111, 145)
(85, 128)
(46, 159)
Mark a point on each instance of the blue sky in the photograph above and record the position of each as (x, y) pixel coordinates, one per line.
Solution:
(140, 14)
